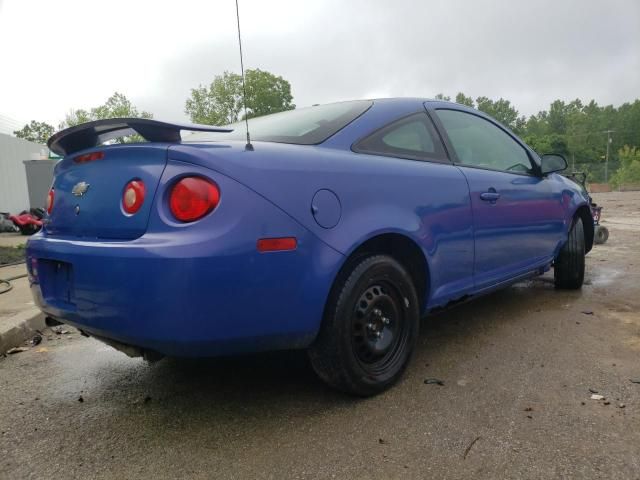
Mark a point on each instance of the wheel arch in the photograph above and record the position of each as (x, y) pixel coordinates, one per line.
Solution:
(399, 246)
(584, 213)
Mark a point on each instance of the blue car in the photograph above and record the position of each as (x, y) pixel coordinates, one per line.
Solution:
(334, 230)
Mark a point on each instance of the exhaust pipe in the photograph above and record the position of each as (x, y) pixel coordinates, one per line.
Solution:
(52, 322)
(150, 356)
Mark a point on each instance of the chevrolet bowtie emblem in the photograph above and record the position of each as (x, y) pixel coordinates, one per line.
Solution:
(79, 189)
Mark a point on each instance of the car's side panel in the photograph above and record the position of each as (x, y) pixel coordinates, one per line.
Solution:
(517, 232)
(428, 202)
(425, 201)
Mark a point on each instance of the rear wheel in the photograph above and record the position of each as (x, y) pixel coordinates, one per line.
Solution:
(569, 266)
(370, 328)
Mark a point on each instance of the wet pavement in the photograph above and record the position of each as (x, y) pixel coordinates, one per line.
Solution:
(517, 368)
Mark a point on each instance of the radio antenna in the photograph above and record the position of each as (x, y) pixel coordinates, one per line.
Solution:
(244, 87)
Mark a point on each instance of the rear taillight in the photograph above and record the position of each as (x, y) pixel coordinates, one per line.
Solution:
(50, 196)
(89, 157)
(133, 196)
(192, 198)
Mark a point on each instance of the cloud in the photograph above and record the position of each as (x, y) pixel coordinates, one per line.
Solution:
(154, 52)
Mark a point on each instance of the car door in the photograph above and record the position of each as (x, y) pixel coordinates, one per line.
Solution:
(517, 217)
(423, 182)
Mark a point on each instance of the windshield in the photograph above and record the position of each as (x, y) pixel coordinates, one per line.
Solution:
(304, 126)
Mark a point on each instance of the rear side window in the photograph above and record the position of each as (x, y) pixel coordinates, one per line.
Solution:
(411, 137)
(479, 143)
(304, 126)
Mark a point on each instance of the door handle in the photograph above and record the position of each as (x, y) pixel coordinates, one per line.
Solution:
(490, 196)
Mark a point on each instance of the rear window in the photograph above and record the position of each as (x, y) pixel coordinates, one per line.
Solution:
(304, 126)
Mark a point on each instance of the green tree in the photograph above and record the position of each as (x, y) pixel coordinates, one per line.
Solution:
(442, 96)
(462, 99)
(502, 111)
(557, 117)
(37, 132)
(218, 104)
(629, 171)
(552, 143)
(116, 106)
(221, 102)
(267, 93)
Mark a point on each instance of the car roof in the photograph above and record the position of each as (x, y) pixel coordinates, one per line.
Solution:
(416, 100)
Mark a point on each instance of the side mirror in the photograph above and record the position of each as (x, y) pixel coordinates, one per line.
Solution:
(553, 162)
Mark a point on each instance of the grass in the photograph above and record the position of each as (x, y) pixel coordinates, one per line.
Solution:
(12, 254)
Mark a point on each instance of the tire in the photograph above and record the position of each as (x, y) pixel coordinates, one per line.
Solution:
(370, 328)
(601, 235)
(28, 230)
(569, 266)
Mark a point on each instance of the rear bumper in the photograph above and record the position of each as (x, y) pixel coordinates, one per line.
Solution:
(149, 294)
(196, 290)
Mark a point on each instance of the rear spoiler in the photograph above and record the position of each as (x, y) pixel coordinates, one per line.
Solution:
(92, 134)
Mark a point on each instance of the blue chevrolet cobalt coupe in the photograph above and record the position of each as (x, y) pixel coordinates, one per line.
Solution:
(334, 230)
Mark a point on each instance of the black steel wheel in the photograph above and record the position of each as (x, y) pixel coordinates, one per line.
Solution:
(369, 329)
(377, 326)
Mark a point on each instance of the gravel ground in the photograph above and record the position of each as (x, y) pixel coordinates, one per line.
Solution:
(517, 368)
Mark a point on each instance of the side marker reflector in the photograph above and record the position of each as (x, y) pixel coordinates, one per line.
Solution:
(277, 244)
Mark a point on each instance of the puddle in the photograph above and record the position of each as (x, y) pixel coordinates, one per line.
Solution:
(537, 282)
(602, 277)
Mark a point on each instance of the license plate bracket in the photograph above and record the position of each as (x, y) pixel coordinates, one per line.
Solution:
(56, 280)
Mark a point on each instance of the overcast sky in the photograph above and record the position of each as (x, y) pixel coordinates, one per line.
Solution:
(63, 54)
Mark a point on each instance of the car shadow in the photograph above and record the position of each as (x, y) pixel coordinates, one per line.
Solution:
(283, 385)
(289, 373)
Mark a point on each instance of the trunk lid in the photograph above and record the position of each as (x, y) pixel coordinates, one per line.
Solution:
(95, 209)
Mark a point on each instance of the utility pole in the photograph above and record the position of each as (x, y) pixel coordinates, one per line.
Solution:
(606, 158)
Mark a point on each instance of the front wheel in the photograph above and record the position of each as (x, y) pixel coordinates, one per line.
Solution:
(569, 266)
(370, 328)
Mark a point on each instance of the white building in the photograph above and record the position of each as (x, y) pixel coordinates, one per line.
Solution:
(14, 194)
